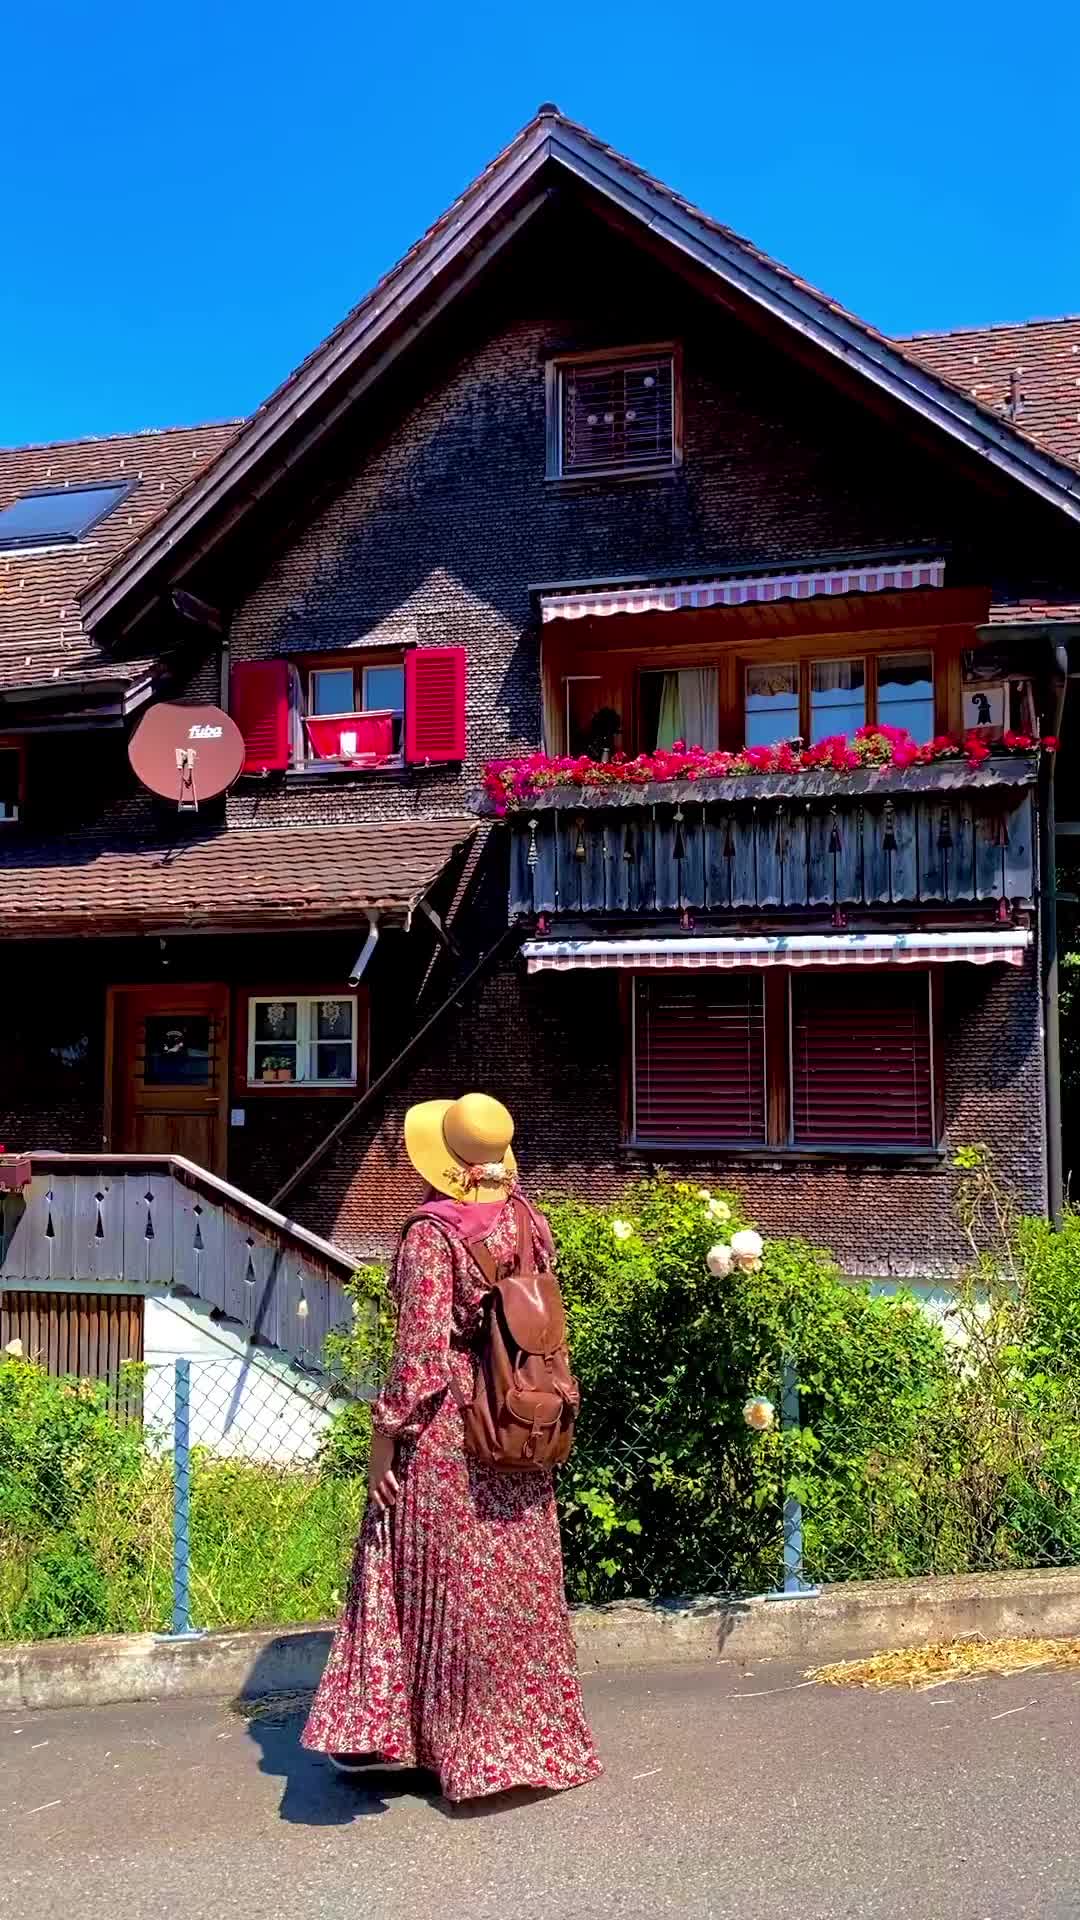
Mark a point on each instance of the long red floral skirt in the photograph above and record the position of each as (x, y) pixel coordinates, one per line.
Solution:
(455, 1651)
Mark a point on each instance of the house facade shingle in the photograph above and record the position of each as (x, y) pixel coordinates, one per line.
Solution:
(422, 516)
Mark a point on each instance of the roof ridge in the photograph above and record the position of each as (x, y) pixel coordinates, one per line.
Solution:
(133, 433)
(992, 326)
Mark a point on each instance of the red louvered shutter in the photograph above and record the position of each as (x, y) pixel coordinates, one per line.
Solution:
(699, 1061)
(435, 704)
(860, 1060)
(259, 699)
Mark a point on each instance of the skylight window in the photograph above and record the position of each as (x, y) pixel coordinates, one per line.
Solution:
(54, 518)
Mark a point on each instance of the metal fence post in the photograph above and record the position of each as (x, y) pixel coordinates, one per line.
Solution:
(182, 1628)
(794, 1587)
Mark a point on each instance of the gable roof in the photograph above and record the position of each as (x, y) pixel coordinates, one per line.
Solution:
(450, 255)
(43, 640)
(1044, 355)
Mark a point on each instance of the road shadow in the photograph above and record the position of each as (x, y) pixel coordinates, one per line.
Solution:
(312, 1794)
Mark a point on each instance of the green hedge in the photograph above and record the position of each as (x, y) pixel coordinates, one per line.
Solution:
(919, 1450)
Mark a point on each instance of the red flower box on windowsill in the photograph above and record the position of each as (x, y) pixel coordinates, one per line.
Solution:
(14, 1172)
(367, 738)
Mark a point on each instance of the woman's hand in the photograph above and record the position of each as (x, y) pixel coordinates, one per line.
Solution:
(382, 1481)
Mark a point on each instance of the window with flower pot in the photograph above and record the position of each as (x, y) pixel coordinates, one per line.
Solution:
(785, 1060)
(314, 1040)
(386, 710)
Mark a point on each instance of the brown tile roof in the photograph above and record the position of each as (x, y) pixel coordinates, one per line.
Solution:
(237, 878)
(41, 635)
(1044, 354)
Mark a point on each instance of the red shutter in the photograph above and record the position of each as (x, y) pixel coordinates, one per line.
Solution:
(699, 1061)
(860, 1060)
(259, 699)
(435, 704)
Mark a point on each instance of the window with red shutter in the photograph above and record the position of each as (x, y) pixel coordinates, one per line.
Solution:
(259, 702)
(435, 704)
(861, 1073)
(699, 1061)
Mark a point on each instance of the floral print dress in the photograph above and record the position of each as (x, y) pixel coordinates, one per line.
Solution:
(455, 1652)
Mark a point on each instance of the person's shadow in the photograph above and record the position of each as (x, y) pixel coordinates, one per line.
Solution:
(312, 1794)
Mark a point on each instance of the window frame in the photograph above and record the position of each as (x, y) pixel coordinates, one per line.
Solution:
(554, 390)
(869, 658)
(651, 1142)
(12, 744)
(358, 665)
(244, 1076)
(779, 1143)
(42, 542)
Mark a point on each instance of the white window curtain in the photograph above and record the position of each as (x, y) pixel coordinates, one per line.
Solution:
(690, 709)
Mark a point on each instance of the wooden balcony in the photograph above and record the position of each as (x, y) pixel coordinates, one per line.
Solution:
(939, 836)
(157, 1223)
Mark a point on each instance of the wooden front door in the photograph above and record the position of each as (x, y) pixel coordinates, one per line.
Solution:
(168, 1071)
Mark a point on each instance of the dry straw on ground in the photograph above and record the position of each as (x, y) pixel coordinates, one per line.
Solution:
(948, 1660)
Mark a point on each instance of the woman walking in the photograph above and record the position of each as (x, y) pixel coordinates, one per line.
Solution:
(455, 1652)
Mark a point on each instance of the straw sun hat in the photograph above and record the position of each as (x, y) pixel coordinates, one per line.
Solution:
(462, 1147)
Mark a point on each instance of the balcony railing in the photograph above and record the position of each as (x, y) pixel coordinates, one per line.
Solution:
(936, 836)
(158, 1223)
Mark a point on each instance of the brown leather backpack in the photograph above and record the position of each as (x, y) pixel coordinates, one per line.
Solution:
(521, 1416)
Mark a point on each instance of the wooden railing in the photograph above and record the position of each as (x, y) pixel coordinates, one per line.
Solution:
(937, 835)
(159, 1222)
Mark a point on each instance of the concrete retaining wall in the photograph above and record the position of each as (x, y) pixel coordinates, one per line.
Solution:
(840, 1623)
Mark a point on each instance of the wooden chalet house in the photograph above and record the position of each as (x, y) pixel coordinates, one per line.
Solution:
(586, 473)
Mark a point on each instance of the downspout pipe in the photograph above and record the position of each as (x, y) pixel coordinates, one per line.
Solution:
(1055, 1172)
(357, 971)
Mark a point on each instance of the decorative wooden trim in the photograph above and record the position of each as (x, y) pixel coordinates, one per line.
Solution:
(302, 990)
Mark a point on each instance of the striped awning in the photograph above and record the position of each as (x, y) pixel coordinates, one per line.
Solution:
(893, 577)
(717, 952)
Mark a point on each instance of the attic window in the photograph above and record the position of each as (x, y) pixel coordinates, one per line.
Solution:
(58, 517)
(613, 413)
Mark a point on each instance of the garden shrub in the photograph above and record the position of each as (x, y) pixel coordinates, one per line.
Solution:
(918, 1451)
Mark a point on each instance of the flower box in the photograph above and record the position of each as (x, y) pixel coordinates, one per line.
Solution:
(510, 784)
(15, 1172)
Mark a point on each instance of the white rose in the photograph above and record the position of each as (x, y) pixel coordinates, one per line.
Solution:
(719, 1261)
(15, 1348)
(759, 1414)
(746, 1247)
(703, 1194)
(622, 1229)
(719, 1210)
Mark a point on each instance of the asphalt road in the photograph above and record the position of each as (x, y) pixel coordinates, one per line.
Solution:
(744, 1796)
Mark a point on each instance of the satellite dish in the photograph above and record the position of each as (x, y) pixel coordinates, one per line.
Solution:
(186, 754)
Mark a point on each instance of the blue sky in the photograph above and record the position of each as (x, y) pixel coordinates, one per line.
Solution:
(196, 194)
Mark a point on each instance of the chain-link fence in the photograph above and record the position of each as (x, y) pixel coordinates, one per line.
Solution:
(201, 1493)
(191, 1493)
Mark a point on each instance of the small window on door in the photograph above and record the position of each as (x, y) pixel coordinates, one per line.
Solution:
(302, 1040)
(905, 693)
(178, 1050)
(837, 698)
(772, 705)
